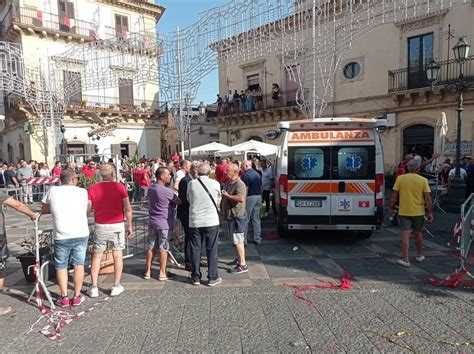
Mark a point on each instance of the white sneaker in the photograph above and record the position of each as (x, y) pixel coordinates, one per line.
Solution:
(420, 259)
(93, 292)
(117, 290)
(403, 263)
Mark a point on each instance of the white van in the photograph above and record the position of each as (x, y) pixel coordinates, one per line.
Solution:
(330, 175)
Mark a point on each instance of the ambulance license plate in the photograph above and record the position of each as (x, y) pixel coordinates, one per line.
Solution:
(309, 203)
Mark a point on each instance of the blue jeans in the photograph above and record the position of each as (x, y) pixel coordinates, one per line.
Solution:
(74, 247)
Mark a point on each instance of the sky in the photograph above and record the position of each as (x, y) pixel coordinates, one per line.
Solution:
(182, 13)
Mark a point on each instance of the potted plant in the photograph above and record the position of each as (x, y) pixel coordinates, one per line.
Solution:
(28, 259)
(107, 261)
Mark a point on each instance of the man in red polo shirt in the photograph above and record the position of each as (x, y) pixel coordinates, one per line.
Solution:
(89, 169)
(221, 172)
(111, 205)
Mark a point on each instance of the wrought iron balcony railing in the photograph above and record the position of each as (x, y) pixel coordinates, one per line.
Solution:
(48, 21)
(407, 79)
(258, 103)
(137, 39)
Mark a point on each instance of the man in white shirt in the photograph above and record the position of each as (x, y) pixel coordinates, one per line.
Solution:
(452, 173)
(184, 168)
(203, 196)
(68, 204)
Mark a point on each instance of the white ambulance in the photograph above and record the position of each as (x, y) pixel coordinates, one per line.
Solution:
(329, 175)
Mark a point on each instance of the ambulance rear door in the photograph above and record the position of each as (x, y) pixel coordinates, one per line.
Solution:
(353, 175)
(309, 181)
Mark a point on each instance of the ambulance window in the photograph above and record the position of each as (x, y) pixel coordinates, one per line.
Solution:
(306, 163)
(355, 163)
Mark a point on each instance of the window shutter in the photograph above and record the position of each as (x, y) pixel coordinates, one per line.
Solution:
(126, 93)
(61, 9)
(132, 149)
(70, 10)
(116, 150)
(124, 23)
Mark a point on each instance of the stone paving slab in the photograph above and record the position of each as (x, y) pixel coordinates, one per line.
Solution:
(255, 312)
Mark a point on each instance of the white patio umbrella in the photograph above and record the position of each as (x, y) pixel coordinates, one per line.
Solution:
(251, 146)
(206, 149)
(441, 130)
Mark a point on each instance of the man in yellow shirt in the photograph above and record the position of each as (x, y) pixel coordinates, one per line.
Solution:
(414, 196)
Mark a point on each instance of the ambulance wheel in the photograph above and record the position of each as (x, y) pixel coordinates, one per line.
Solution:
(282, 232)
(365, 234)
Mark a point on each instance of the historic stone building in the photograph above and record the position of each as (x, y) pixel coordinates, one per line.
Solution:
(119, 117)
(382, 75)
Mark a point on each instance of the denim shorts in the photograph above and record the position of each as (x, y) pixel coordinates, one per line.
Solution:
(76, 248)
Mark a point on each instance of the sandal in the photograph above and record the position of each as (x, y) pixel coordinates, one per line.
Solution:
(168, 276)
(146, 277)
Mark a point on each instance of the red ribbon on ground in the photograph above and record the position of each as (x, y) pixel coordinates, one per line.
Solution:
(345, 284)
(270, 235)
(453, 280)
(56, 320)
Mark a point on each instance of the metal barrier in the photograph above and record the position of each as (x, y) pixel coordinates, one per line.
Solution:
(467, 232)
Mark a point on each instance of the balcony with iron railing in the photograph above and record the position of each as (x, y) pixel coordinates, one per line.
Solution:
(112, 105)
(254, 103)
(37, 20)
(140, 40)
(408, 79)
(44, 21)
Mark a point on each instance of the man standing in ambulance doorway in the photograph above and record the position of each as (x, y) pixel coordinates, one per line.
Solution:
(414, 196)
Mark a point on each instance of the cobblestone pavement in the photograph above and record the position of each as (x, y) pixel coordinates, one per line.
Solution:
(389, 308)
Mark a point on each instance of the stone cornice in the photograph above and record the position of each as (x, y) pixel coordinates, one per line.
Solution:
(139, 6)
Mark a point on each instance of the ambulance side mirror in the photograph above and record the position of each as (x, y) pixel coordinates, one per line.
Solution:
(272, 134)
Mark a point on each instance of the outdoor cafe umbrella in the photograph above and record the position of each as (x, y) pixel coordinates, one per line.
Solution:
(207, 149)
(251, 146)
(439, 140)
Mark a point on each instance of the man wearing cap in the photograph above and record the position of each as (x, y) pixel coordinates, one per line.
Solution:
(111, 205)
(68, 205)
(5, 199)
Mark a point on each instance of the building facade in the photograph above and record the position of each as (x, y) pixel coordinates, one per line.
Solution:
(117, 116)
(381, 75)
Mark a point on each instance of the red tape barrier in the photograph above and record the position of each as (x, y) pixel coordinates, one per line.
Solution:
(453, 280)
(56, 319)
(325, 284)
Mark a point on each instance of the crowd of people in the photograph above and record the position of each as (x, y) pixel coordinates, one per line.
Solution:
(411, 203)
(193, 195)
(441, 174)
(250, 100)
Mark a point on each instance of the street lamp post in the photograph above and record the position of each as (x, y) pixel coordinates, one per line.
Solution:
(457, 187)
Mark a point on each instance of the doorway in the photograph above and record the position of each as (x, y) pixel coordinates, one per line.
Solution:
(419, 138)
(420, 52)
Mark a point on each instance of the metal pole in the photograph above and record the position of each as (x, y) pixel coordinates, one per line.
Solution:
(457, 187)
(181, 132)
(189, 136)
